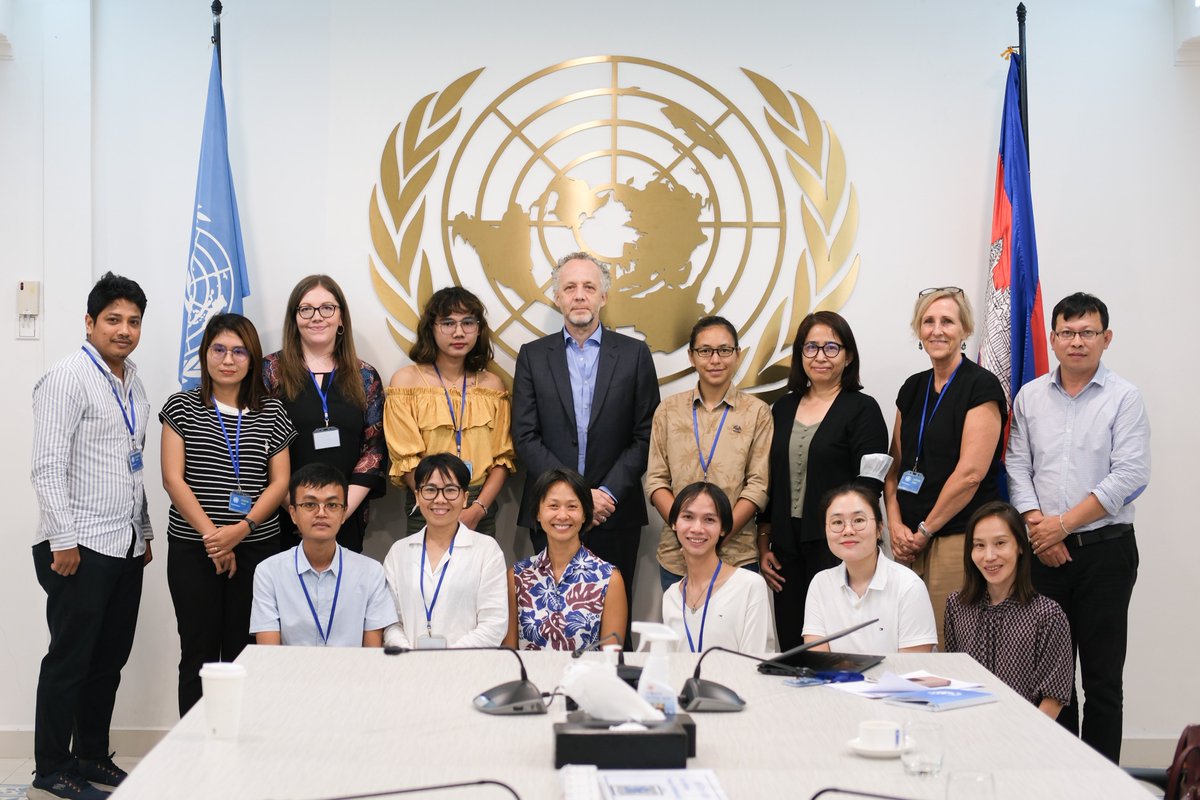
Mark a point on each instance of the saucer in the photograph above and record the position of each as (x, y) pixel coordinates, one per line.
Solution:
(871, 752)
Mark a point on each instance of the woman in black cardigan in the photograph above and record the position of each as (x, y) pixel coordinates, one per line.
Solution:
(824, 426)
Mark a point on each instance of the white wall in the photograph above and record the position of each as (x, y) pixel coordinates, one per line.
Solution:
(100, 114)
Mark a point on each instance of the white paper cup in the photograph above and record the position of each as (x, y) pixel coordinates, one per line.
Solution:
(223, 686)
(879, 734)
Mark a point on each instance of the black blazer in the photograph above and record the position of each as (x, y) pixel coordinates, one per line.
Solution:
(852, 428)
(618, 442)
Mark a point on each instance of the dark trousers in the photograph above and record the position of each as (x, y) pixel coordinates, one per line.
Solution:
(617, 547)
(1093, 589)
(212, 612)
(798, 566)
(92, 616)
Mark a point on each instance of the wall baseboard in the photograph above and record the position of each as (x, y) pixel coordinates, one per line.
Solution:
(132, 742)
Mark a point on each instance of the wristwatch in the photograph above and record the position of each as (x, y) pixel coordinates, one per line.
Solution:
(250, 524)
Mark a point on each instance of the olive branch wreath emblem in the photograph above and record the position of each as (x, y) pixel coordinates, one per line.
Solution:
(814, 156)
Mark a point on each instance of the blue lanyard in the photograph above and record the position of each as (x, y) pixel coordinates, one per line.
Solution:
(429, 607)
(323, 393)
(131, 417)
(925, 407)
(337, 590)
(703, 617)
(235, 447)
(704, 465)
(458, 429)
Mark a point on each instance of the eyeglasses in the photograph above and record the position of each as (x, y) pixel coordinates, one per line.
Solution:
(1085, 336)
(327, 310)
(830, 349)
(859, 524)
(450, 492)
(705, 353)
(218, 351)
(312, 508)
(468, 325)
(936, 289)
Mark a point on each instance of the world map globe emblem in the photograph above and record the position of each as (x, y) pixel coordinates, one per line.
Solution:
(638, 163)
(643, 166)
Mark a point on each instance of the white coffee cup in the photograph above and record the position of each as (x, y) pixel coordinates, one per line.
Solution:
(879, 734)
(223, 686)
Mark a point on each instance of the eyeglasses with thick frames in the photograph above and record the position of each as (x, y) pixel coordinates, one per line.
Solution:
(312, 508)
(430, 492)
(859, 524)
(219, 351)
(936, 289)
(705, 353)
(1087, 337)
(326, 310)
(468, 325)
(830, 349)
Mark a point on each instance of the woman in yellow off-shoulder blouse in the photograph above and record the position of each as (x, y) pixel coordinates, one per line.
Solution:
(448, 402)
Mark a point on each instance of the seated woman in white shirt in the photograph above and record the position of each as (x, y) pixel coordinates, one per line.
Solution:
(448, 582)
(866, 585)
(716, 604)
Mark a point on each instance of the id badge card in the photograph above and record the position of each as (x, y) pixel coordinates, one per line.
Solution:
(325, 438)
(911, 481)
(470, 470)
(135, 460)
(431, 642)
(239, 503)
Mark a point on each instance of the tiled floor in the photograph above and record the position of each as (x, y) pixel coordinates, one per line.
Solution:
(16, 773)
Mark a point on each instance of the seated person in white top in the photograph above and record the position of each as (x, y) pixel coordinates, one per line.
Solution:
(318, 593)
(866, 585)
(715, 604)
(448, 582)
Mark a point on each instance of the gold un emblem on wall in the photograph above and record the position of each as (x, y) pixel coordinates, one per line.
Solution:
(646, 167)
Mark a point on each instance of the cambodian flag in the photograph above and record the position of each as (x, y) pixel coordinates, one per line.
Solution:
(216, 273)
(1014, 329)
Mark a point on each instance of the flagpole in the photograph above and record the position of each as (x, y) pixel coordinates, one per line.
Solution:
(216, 34)
(1025, 60)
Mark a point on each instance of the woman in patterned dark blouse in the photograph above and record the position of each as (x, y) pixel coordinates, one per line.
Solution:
(565, 597)
(998, 619)
(334, 399)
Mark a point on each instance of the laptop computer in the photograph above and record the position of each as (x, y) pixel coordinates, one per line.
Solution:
(786, 662)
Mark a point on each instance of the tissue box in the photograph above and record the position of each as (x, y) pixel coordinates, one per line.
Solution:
(683, 718)
(583, 740)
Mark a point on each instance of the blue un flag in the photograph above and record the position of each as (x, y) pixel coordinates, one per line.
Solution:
(216, 272)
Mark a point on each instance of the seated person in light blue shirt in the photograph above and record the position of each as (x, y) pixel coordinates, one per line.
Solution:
(318, 593)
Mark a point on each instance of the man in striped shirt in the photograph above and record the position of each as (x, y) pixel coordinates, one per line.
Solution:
(90, 413)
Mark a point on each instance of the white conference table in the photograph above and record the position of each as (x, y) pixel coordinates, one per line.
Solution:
(322, 722)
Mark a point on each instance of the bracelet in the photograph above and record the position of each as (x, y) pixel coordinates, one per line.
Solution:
(921, 529)
(1063, 525)
(480, 504)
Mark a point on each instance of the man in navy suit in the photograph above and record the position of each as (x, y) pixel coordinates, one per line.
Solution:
(584, 398)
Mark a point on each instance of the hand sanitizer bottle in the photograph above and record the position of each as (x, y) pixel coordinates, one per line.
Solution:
(654, 686)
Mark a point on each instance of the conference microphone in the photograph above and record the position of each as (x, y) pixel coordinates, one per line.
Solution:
(436, 787)
(515, 697)
(702, 695)
(857, 793)
(579, 651)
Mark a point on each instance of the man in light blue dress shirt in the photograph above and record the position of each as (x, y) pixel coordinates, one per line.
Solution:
(1078, 456)
(318, 593)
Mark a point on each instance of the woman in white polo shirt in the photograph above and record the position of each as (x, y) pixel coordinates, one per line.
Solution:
(866, 585)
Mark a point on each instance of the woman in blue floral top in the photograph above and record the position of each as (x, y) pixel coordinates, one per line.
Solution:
(564, 597)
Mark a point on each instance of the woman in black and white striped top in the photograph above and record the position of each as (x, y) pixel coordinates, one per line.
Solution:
(225, 466)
